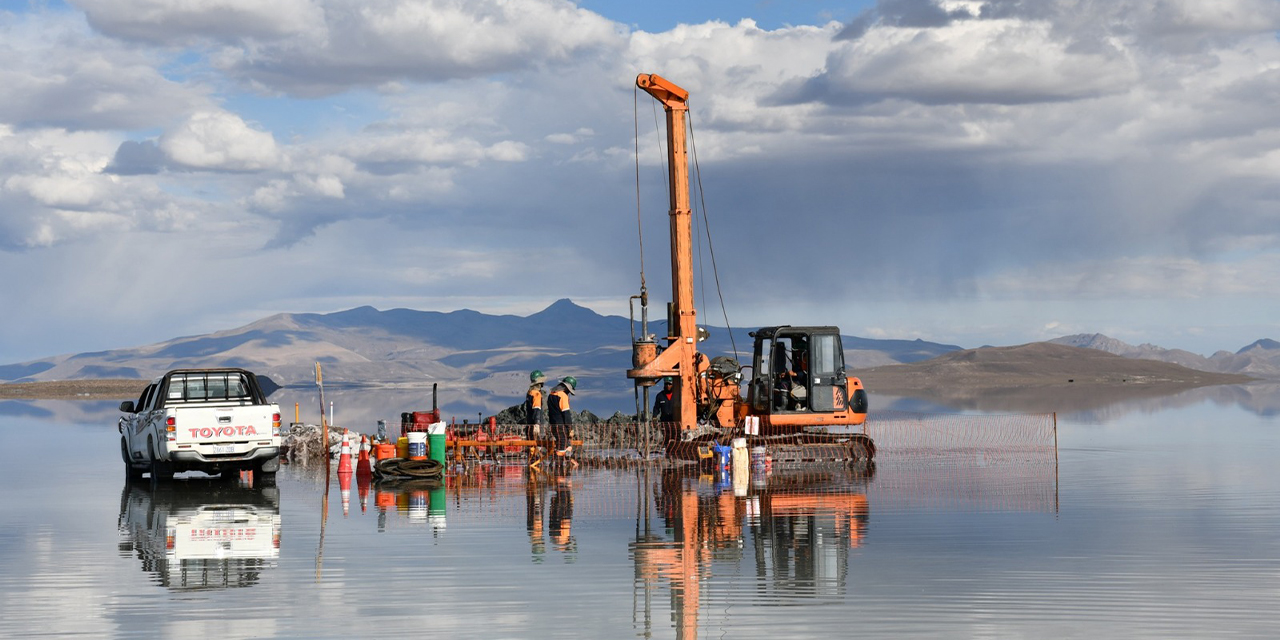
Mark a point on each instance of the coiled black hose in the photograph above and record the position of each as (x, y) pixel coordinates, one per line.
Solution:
(404, 469)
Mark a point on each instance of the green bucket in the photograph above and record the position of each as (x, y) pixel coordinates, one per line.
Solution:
(435, 442)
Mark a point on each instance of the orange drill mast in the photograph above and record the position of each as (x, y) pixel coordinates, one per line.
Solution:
(679, 359)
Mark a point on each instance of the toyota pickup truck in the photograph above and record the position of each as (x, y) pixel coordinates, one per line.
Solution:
(209, 420)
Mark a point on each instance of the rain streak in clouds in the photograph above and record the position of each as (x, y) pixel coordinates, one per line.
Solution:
(969, 172)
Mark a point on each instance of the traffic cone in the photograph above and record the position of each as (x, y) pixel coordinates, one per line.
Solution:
(344, 458)
(344, 485)
(363, 481)
(363, 468)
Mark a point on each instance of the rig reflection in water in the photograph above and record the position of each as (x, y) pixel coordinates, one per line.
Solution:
(711, 542)
(800, 527)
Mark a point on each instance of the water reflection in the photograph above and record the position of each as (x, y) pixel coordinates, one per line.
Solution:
(419, 501)
(201, 533)
(361, 408)
(1091, 404)
(795, 528)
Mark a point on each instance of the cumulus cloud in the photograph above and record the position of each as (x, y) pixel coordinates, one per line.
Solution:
(54, 191)
(183, 21)
(905, 13)
(219, 140)
(319, 47)
(732, 70)
(56, 73)
(988, 61)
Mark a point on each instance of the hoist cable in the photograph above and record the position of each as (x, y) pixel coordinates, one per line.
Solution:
(706, 225)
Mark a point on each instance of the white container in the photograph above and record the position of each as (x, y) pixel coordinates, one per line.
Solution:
(741, 462)
(741, 465)
(417, 445)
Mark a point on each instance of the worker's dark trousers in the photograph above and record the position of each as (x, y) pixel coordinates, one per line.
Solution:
(561, 433)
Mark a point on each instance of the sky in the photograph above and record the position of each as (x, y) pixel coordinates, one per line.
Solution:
(967, 172)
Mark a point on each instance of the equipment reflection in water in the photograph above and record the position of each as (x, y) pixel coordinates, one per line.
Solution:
(421, 501)
(801, 527)
(201, 533)
(792, 529)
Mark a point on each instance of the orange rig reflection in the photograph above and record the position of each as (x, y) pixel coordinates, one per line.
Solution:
(801, 528)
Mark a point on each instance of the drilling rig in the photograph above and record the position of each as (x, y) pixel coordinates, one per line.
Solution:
(800, 404)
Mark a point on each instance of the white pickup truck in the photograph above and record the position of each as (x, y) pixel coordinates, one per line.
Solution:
(210, 420)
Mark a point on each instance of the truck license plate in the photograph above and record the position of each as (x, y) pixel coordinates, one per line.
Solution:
(224, 449)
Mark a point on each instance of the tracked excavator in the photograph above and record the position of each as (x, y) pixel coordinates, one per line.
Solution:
(799, 403)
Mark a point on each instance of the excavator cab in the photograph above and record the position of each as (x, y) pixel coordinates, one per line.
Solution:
(799, 370)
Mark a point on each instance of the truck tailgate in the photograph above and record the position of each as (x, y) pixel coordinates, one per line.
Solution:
(223, 425)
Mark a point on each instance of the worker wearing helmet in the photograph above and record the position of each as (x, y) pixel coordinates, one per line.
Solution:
(533, 404)
(664, 407)
(559, 414)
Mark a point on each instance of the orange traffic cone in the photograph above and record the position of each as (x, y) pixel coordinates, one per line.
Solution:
(344, 458)
(344, 485)
(363, 481)
(363, 467)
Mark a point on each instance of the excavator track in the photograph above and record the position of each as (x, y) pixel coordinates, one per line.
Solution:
(807, 448)
(792, 449)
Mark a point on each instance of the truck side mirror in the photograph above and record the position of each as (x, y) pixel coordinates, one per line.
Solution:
(127, 406)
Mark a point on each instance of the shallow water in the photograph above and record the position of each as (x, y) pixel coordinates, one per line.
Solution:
(1156, 523)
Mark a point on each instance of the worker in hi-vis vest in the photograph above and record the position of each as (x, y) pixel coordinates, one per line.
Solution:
(533, 404)
(560, 417)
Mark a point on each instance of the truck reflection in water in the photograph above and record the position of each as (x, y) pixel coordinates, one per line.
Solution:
(797, 530)
(201, 534)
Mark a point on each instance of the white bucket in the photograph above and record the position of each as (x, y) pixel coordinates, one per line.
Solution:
(417, 445)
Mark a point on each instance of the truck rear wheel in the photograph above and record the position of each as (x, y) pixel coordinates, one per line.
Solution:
(160, 470)
(131, 471)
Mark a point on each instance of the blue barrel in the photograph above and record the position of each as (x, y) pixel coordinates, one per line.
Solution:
(723, 456)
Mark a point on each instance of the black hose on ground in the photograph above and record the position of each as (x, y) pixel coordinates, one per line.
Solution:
(404, 469)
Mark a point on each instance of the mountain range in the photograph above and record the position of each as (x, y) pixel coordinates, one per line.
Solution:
(1261, 359)
(478, 358)
(483, 359)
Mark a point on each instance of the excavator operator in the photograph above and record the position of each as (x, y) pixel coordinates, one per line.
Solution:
(791, 391)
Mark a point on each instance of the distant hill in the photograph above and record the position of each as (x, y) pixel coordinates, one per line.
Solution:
(1260, 359)
(1038, 364)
